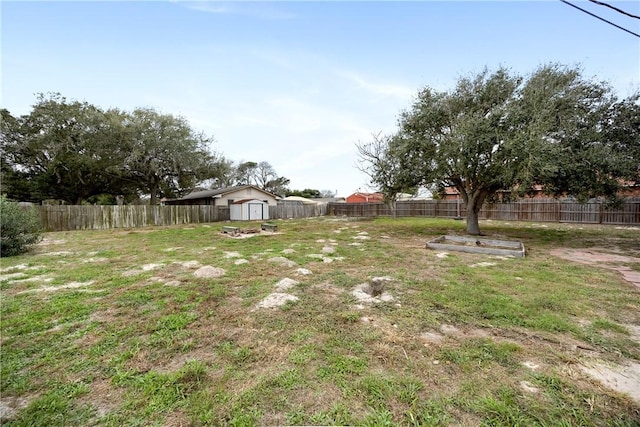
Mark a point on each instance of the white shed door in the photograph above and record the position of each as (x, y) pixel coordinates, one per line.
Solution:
(255, 211)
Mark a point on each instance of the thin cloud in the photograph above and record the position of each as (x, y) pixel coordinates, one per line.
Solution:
(380, 89)
(254, 10)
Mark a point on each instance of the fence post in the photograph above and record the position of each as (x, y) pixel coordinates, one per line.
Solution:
(600, 211)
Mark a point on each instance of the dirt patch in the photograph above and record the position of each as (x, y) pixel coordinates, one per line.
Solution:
(14, 267)
(286, 284)
(483, 264)
(11, 276)
(46, 242)
(364, 293)
(72, 285)
(209, 272)
(144, 268)
(103, 397)
(528, 387)
(189, 264)
(599, 258)
(592, 256)
(203, 355)
(59, 253)
(284, 262)
(276, 299)
(621, 378)
(11, 405)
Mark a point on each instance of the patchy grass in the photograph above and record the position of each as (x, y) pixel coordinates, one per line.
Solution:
(113, 328)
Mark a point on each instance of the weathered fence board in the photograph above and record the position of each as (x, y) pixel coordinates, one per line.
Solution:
(296, 210)
(88, 217)
(60, 218)
(539, 210)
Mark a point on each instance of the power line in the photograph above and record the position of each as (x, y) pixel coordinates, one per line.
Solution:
(602, 19)
(615, 8)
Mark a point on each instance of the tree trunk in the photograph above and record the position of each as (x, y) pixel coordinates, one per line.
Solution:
(474, 204)
(154, 195)
(472, 222)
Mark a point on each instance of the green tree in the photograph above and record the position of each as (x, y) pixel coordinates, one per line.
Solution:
(262, 175)
(499, 131)
(74, 151)
(308, 193)
(164, 156)
(58, 151)
(278, 185)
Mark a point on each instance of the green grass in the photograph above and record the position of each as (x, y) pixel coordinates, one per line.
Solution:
(136, 345)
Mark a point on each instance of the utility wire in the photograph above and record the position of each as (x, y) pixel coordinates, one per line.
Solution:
(615, 8)
(602, 19)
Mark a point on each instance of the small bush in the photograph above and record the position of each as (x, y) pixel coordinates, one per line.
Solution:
(19, 228)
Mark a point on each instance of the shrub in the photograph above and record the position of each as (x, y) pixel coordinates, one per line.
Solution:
(19, 227)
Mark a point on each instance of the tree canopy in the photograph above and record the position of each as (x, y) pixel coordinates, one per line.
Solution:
(262, 175)
(72, 151)
(501, 131)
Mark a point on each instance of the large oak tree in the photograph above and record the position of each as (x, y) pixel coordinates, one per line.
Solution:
(72, 151)
(500, 131)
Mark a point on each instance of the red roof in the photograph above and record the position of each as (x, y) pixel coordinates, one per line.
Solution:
(364, 197)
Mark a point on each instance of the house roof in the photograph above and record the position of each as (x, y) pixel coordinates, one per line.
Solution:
(304, 200)
(372, 196)
(205, 194)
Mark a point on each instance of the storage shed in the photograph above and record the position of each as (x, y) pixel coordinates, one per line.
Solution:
(249, 210)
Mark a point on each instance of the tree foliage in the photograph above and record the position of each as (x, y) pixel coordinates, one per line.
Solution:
(58, 151)
(500, 131)
(308, 193)
(263, 175)
(385, 169)
(73, 151)
(163, 154)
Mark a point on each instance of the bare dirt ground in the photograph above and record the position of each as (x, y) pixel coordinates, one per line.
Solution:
(624, 377)
(600, 258)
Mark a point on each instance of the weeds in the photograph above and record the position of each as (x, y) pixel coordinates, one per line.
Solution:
(179, 349)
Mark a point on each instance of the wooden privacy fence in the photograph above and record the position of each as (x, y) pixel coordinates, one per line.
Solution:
(88, 217)
(61, 218)
(286, 210)
(542, 210)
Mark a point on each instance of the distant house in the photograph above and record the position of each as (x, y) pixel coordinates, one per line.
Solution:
(298, 199)
(452, 193)
(365, 198)
(629, 189)
(330, 200)
(245, 202)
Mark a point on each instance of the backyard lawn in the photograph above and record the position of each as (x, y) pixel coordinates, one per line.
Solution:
(177, 326)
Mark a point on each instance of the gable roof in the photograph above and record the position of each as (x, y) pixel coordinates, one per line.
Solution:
(367, 196)
(206, 194)
(303, 200)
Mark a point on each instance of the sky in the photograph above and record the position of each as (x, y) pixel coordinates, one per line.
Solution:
(295, 83)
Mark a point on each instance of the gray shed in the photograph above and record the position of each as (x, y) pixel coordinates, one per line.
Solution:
(249, 210)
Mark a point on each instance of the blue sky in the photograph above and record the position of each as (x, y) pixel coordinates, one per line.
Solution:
(296, 84)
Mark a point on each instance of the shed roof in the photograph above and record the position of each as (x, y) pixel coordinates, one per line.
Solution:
(239, 202)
